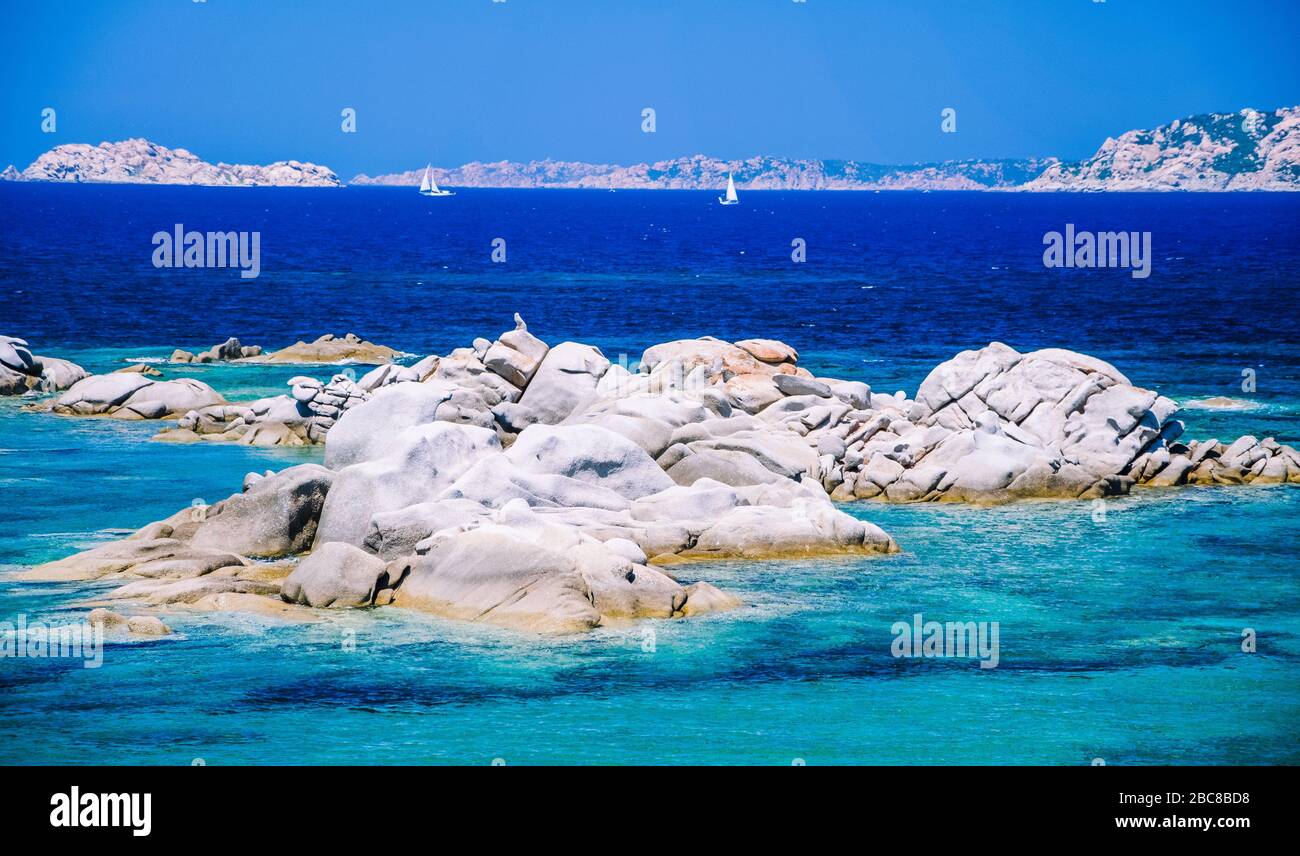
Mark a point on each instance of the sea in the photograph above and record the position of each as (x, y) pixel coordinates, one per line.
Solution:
(1157, 628)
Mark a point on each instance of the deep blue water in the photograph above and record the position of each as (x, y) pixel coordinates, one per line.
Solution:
(1119, 639)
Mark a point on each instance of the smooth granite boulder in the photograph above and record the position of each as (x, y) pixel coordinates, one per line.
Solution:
(100, 393)
(528, 573)
(21, 371)
(590, 454)
(796, 385)
(714, 355)
(57, 375)
(168, 398)
(389, 373)
(752, 392)
(726, 466)
(336, 575)
(417, 466)
(365, 432)
(516, 355)
(135, 396)
(17, 366)
(649, 420)
(769, 351)
(275, 516)
(495, 481)
(16, 356)
(805, 528)
(565, 379)
(395, 533)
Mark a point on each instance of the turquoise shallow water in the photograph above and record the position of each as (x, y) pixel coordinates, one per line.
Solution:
(1119, 638)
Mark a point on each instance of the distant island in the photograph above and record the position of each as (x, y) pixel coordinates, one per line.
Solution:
(700, 172)
(1245, 150)
(139, 161)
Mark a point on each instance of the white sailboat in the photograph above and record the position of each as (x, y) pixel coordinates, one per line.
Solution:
(730, 198)
(429, 187)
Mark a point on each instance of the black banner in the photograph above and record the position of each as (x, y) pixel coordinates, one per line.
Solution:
(147, 806)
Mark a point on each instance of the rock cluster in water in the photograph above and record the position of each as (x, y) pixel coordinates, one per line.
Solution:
(231, 349)
(549, 489)
(138, 392)
(329, 348)
(301, 418)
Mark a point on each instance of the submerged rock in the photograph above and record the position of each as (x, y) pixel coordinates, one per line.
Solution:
(140, 625)
(1220, 402)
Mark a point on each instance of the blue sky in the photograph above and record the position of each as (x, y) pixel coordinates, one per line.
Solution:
(459, 80)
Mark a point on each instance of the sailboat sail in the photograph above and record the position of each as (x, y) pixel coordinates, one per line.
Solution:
(429, 187)
(730, 198)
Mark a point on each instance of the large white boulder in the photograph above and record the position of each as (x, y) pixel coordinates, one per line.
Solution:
(805, 528)
(134, 396)
(516, 355)
(566, 379)
(367, 431)
(17, 357)
(100, 393)
(57, 374)
(495, 481)
(590, 454)
(276, 516)
(716, 356)
(417, 466)
(528, 573)
(396, 533)
(336, 575)
(1048, 423)
(168, 398)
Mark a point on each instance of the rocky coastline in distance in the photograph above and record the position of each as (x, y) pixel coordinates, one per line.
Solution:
(1245, 150)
